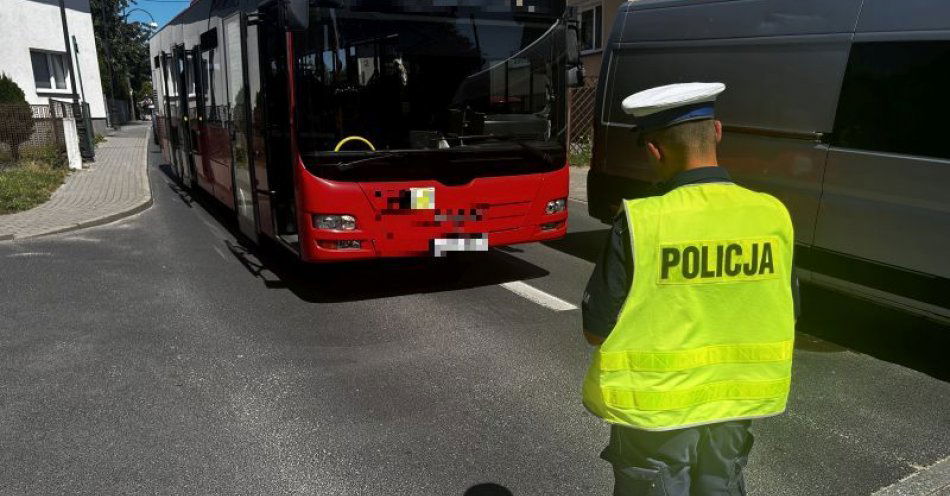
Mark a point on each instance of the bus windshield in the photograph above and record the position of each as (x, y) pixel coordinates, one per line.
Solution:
(429, 85)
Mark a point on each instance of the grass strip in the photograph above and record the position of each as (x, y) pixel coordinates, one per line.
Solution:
(25, 186)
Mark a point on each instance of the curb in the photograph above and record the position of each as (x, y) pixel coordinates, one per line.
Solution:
(105, 219)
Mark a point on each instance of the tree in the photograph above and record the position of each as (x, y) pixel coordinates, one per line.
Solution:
(10, 92)
(16, 116)
(122, 48)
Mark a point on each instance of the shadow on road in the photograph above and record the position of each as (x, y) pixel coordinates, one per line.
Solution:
(182, 193)
(488, 489)
(884, 333)
(370, 279)
(587, 245)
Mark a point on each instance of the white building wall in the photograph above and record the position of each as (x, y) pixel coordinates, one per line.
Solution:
(36, 24)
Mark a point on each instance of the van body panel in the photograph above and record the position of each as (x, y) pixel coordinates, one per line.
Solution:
(602, 90)
(887, 208)
(868, 219)
(789, 169)
(805, 70)
(888, 171)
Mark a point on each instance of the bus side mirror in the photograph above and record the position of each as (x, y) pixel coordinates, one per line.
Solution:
(295, 14)
(575, 68)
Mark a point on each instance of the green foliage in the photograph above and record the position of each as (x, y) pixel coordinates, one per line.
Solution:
(10, 92)
(98, 139)
(122, 46)
(580, 153)
(45, 155)
(144, 91)
(26, 186)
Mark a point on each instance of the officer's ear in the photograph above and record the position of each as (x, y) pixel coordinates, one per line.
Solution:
(654, 150)
(718, 125)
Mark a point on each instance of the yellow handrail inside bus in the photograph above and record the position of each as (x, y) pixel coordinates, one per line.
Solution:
(353, 138)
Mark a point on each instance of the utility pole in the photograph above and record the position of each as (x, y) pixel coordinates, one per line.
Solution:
(69, 57)
(81, 113)
(83, 124)
(82, 89)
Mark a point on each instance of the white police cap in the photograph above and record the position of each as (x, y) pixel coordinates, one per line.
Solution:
(665, 106)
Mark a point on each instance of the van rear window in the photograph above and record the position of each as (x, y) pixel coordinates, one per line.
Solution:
(894, 98)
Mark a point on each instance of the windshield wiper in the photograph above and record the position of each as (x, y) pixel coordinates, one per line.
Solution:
(522, 142)
(381, 156)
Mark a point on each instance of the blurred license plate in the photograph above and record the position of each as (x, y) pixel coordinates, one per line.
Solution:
(442, 245)
(422, 198)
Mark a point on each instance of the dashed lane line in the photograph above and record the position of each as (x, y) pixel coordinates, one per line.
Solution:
(535, 295)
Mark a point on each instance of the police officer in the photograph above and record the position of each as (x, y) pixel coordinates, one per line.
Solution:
(691, 310)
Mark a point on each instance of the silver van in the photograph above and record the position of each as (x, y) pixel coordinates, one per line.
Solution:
(839, 108)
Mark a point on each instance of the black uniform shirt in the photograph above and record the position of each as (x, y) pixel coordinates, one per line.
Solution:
(612, 278)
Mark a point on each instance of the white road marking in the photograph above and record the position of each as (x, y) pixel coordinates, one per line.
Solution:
(220, 253)
(932, 481)
(537, 296)
(30, 254)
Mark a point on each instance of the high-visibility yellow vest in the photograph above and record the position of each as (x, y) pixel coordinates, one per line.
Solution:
(706, 332)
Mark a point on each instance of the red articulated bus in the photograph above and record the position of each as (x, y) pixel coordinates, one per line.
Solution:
(351, 129)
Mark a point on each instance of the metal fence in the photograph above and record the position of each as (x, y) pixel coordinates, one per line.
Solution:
(32, 132)
(582, 112)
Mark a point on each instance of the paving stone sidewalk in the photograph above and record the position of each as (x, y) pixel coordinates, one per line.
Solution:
(114, 186)
(578, 189)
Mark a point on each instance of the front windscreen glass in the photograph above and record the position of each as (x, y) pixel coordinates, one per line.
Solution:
(429, 85)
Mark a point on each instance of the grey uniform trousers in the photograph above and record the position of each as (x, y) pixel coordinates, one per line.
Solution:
(697, 461)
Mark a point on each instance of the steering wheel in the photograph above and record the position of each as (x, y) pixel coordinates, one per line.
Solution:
(354, 138)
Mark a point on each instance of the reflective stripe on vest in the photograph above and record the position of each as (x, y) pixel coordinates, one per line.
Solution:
(683, 398)
(706, 333)
(699, 357)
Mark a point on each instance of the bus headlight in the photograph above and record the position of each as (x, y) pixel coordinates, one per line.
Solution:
(335, 222)
(555, 206)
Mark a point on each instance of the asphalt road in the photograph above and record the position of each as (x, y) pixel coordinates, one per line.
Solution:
(158, 355)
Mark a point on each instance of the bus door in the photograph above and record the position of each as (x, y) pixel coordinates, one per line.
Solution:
(165, 123)
(238, 125)
(184, 160)
(278, 182)
(256, 97)
(195, 110)
(204, 62)
(171, 112)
